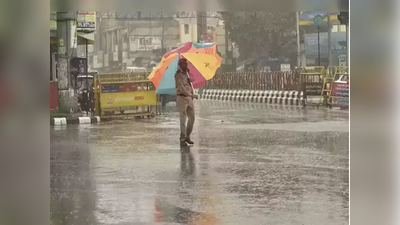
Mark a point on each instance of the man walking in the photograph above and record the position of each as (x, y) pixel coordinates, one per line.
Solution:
(184, 92)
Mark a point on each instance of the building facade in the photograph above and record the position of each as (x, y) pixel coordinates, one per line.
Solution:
(136, 42)
(140, 39)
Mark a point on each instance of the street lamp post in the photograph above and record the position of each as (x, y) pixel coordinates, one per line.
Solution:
(318, 20)
(298, 39)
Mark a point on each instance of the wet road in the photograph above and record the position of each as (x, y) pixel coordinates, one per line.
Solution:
(251, 164)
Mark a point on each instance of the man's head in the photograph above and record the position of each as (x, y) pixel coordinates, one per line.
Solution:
(182, 64)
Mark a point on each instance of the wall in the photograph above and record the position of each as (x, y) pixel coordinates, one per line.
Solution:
(191, 36)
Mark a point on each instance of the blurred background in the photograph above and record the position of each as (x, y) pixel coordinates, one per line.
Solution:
(257, 41)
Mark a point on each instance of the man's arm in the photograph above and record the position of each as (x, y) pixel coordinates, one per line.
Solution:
(179, 84)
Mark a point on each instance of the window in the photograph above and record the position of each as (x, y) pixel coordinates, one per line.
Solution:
(186, 28)
(334, 28)
(338, 28)
(342, 28)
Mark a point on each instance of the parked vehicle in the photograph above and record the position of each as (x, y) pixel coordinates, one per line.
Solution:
(343, 79)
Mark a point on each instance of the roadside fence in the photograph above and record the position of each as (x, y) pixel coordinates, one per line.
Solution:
(279, 81)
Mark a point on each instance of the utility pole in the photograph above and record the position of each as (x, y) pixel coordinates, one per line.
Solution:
(329, 41)
(228, 63)
(298, 40)
(201, 25)
(347, 44)
(319, 47)
(227, 53)
(318, 20)
(201, 29)
(162, 35)
(343, 17)
(65, 52)
(128, 54)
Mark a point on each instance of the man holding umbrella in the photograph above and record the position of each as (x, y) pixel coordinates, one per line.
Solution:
(172, 76)
(184, 92)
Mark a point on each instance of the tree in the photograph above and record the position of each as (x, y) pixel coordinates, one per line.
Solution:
(271, 34)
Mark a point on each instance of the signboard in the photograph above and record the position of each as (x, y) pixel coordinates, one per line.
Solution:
(313, 88)
(128, 99)
(307, 18)
(86, 21)
(53, 25)
(109, 88)
(285, 67)
(318, 20)
(126, 87)
(61, 48)
(149, 43)
(340, 101)
(340, 90)
(74, 35)
(340, 94)
(53, 21)
(141, 43)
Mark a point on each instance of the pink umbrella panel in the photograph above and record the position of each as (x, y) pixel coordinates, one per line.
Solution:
(199, 80)
(184, 48)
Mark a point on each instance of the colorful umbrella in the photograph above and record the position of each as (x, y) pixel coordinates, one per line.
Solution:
(203, 62)
(190, 47)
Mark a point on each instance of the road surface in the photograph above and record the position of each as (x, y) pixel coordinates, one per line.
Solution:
(251, 164)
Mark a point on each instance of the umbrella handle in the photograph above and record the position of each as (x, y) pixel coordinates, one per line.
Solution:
(191, 84)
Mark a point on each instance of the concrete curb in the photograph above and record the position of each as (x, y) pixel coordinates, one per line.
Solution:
(268, 97)
(230, 105)
(62, 121)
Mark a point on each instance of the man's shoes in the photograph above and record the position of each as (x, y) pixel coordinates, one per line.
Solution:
(189, 141)
(184, 144)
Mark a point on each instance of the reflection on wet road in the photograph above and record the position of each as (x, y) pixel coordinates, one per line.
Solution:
(250, 164)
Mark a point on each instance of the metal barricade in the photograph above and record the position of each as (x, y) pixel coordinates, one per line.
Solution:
(123, 94)
(278, 81)
(312, 79)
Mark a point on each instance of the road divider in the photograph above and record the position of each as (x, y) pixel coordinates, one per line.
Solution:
(63, 121)
(268, 97)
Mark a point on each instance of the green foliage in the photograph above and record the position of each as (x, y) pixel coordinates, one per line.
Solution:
(270, 34)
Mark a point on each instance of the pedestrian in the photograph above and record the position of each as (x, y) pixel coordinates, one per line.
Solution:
(185, 96)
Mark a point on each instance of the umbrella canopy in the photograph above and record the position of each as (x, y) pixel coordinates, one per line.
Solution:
(203, 62)
(191, 47)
